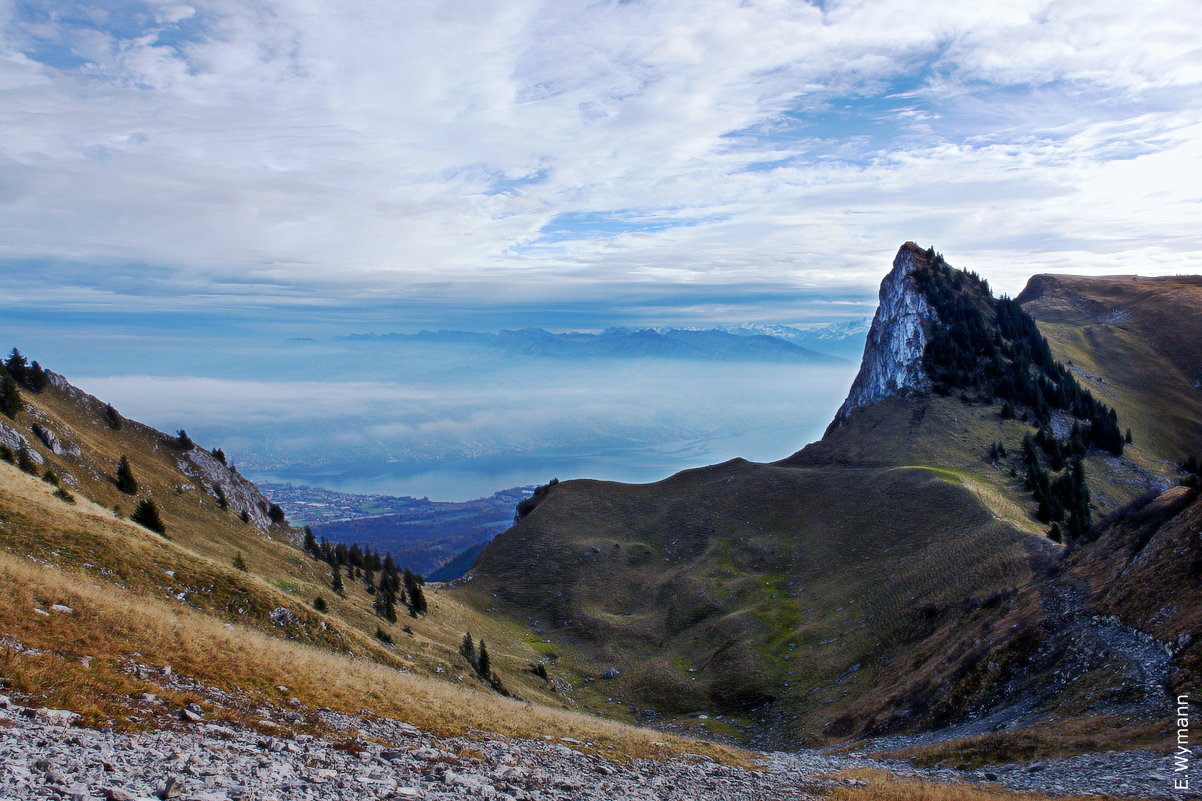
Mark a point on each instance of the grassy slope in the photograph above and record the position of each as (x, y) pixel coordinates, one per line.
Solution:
(87, 542)
(720, 588)
(1136, 339)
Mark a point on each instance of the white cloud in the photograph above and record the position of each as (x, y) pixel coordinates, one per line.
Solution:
(351, 148)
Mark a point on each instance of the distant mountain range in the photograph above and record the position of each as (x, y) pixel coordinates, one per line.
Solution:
(828, 344)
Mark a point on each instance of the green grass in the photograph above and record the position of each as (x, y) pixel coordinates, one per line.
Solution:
(760, 578)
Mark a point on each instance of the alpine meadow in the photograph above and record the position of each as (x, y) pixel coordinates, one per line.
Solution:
(600, 401)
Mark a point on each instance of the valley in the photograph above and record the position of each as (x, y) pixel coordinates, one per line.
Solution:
(973, 576)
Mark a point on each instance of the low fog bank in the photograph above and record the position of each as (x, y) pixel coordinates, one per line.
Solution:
(455, 425)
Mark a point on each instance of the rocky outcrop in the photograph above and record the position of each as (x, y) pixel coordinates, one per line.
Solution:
(56, 444)
(892, 363)
(15, 440)
(219, 480)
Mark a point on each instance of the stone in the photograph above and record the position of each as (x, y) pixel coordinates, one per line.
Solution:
(66, 610)
(188, 714)
(172, 788)
(56, 717)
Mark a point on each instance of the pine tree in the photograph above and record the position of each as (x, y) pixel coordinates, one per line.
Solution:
(311, 545)
(17, 366)
(10, 398)
(125, 477)
(25, 462)
(276, 514)
(146, 514)
(320, 605)
(483, 663)
(219, 455)
(37, 379)
(184, 441)
(336, 580)
(240, 563)
(467, 649)
(7, 455)
(112, 417)
(413, 589)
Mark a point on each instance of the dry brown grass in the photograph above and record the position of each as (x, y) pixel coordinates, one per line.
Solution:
(110, 626)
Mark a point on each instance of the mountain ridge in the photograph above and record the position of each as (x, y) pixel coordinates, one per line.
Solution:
(934, 447)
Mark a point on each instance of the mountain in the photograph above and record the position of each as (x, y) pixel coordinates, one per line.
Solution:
(216, 605)
(872, 583)
(622, 343)
(1134, 342)
(843, 339)
(973, 565)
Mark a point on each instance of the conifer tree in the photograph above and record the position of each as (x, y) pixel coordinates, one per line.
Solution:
(320, 605)
(146, 514)
(417, 597)
(112, 417)
(37, 380)
(184, 441)
(25, 462)
(483, 663)
(467, 649)
(125, 477)
(240, 563)
(7, 455)
(10, 398)
(17, 366)
(336, 580)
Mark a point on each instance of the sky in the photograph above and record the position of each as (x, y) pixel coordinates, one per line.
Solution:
(685, 159)
(221, 176)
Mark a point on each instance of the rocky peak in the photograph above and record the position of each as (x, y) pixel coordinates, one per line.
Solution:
(892, 363)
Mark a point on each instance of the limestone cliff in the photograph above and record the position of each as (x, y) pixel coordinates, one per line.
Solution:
(892, 363)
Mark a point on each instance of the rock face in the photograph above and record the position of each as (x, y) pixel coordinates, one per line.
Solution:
(14, 440)
(52, 441)
(892, 363)
(240, 493)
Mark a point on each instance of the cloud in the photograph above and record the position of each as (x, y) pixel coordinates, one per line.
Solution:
(350, 152)
(512, 411)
